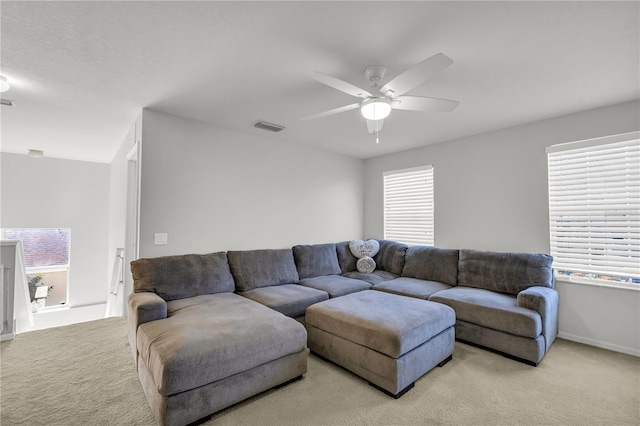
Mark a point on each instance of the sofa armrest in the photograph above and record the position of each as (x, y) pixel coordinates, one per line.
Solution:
(143, 307)
(543, 300)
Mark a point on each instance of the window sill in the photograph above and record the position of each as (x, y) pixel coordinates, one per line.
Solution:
(51, 309)
(597, 283)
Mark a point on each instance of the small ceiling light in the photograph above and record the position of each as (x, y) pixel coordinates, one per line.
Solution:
(36, 153)
(4, 84)
(375, 108)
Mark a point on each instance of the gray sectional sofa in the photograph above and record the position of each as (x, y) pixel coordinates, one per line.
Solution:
(208, 331)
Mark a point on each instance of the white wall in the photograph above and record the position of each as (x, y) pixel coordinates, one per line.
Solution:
(55, 193)
(215, 189)
(491, 194)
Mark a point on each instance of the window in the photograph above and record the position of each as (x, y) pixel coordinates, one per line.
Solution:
(46, 257)
(594, 209)
(408, 205)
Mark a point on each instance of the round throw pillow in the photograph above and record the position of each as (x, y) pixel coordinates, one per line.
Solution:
(366, 265)
(361, 248)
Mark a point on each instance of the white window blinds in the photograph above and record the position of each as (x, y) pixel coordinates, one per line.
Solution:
(408, 205)
(594, 208)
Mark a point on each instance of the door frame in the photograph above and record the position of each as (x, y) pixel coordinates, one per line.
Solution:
(132, 223)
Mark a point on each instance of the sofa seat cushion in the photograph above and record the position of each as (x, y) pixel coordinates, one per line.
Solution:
(375, 277)
(490, 309)
(335, 285)
(290, 299)
(210, 337)
(411, 287)
(387, 323)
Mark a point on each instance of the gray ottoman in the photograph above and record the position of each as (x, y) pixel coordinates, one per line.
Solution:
(387, 339)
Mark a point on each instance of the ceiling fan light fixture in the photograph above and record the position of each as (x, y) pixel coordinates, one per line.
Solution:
(375, 108)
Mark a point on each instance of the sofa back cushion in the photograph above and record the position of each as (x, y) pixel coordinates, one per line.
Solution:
(316, 260)
(262, 268)
(508, 273)
(346, 259)
(179, 277)
(390, 258)
(432, 264)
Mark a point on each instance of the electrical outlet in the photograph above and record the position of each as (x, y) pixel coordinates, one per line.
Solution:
(160, 239)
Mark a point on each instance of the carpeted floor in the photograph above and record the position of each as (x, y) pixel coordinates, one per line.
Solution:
(83, 374)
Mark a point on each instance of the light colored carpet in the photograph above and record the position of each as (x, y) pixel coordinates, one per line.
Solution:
(83, 374)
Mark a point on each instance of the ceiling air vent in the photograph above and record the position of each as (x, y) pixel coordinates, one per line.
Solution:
(268, 126)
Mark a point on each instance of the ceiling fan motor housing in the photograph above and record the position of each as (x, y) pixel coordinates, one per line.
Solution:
(375, 73)
(376, 107)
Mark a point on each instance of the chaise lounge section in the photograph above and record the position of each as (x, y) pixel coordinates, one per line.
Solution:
(505, 302)
(199, 347)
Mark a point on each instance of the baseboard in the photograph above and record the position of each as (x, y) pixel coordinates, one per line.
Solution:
(599, 344)
(7, 336)
(48, 318)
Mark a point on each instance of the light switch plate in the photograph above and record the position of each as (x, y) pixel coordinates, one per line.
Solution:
(160, 239)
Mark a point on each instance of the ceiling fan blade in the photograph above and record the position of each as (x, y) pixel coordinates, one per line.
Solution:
(374, 125)
(415, 76)
(331, 112)
(418, 103)
(340, 85)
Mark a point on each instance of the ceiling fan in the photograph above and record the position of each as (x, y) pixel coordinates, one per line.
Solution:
(377, 103)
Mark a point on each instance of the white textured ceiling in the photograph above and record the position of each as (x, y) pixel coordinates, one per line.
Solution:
(82, 71)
